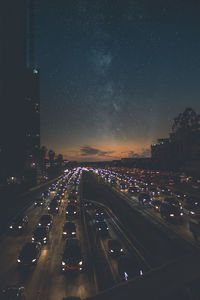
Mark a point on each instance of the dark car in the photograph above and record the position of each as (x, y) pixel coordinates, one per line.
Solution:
(193, 206)
(174, 202)
(46, 221)
(156, 204)
(71, 210)
(123, 187)
(69, 230)
(72, 200)
(72, 257)
(99, 211)
(165, 190)
(39, 202)
(41, 235)
(133, 190)
(180, 195)
(19, 224)
(53, 207)
(29, 254)
(170, 212)
(154, 191)
(129, 267)
(99, 218)
(144, 198)
(102, 228)
(115, 247)
(46, 194)
(13, 293)
(57, 199)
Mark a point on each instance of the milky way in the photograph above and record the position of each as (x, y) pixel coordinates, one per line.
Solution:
(114, 73)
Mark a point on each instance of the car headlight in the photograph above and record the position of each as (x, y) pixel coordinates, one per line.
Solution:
(107, 228)
(44, 239)
(35, 203)
(64, 232)
(74, 212)
(10, 227)
(67, 212)
(121, 250)
(99, 228)
(80, 263)
(18, 260)
(73, 232)
(63, 263)
(39, 224)
(41, 203)
(33, 238)
(19, 227)
(171, 215)
(192, 212)
(181, 214)
(33, 260)
(111, 251)
(56, 208)
(48, 208)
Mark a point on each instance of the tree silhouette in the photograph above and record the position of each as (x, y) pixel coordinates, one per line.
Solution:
(186, 122)
(51, 155)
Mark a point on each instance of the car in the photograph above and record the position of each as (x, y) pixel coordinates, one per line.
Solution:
(123, 187)
(71, 210)
(13, 293)
(53, 207)
(72, 201)
(173, 201)
(165, 190)
(133, 190)
(39, 202)
(46, 194)
(72, 257)
(156, 204)
(29, 254)
(180, 195)
(144, 198)
(102, 228)
(99, 211)
(46, 221)
(129, 267)
(154, 192)
(19, 224)
(193, 207)
(69, 230)
(115, 248)
(41, 234)
(170, 212)
(99, 218)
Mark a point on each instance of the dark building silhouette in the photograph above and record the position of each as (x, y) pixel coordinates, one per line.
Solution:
(19, 89)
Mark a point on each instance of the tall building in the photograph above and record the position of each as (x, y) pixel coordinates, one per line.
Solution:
(19, 88)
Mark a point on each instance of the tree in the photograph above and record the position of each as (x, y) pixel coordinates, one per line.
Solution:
(60, 159)
(186, 122)
(51, 155)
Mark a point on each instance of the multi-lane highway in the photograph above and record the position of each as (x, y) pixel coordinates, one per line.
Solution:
(104, 213)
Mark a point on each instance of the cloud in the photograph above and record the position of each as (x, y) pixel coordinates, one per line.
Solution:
(90, 151)
(143, 154)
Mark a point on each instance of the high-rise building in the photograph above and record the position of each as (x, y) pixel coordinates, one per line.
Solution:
(19, 88)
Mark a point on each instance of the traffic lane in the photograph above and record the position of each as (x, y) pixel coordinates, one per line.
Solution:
(181, 228)
(13, 206)
(116, 232)
(48, 267)
(48, 281)
(160, 246)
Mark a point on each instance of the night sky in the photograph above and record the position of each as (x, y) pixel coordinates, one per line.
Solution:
(114, 73)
